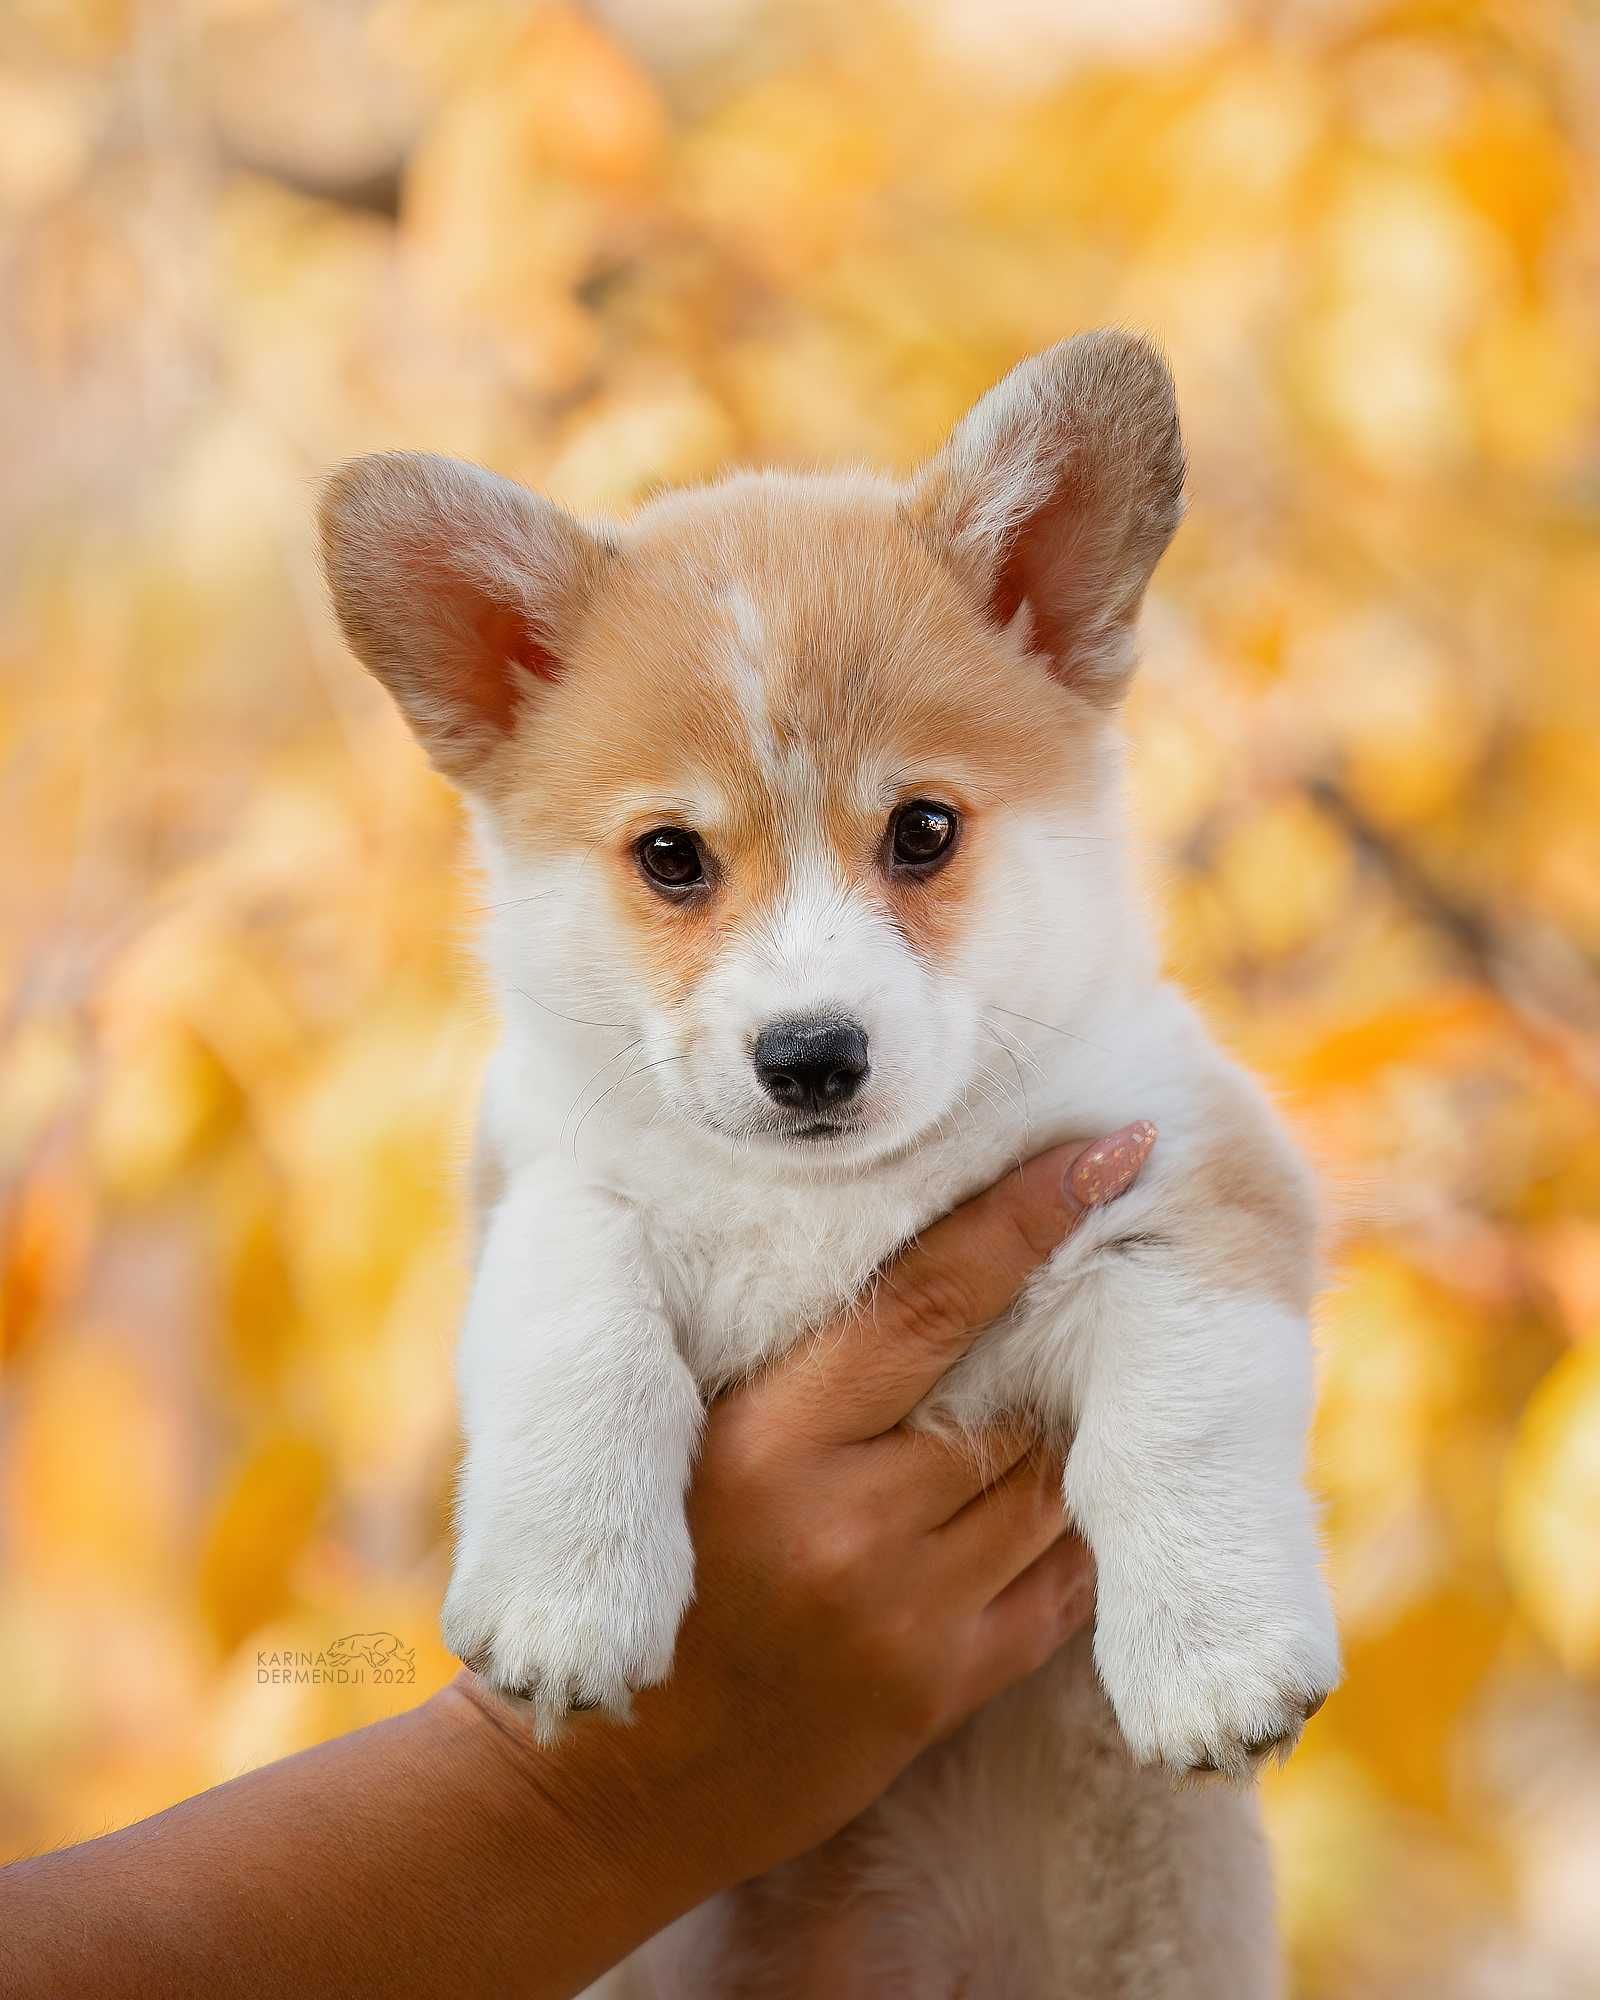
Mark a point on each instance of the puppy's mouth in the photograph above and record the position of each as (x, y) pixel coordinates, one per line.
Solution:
(803, 1133)
(809, 1132)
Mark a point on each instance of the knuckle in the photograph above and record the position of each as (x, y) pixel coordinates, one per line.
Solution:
(901, 1664)
(935, 1302)
(830, 1559)
(1035, 1233)
(1038, 1640)
(924, 1710)
(899, 1641)
(740, 1451)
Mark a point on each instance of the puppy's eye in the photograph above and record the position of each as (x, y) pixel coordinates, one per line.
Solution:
(671, 858)
(921, 835)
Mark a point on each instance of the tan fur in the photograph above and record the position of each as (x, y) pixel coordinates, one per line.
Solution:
(1246, 1203)
(875, 661)
(775, 665)
(1241, 1211)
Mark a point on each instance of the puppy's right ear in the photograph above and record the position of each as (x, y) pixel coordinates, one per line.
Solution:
(457, 589)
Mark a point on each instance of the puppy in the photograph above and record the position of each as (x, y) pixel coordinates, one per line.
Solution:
(799, 802)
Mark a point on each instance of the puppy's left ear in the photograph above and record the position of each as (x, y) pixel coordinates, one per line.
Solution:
(1055, 497)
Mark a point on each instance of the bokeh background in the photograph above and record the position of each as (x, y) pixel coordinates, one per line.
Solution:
(604, 248)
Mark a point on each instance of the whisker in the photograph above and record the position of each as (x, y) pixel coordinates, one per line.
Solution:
(595, 1106)
(634, 1073)
(1050, 1027)
(583, 1093)
(1006, 1048)
(1019, 1052)
(511, 903)
(578, 1020)
(978, 1082)
(1011, 1101)
(660, 1062)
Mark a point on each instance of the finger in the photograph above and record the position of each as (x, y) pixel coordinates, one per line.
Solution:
(928, 1477)
(1032, 1619)
(878, 1359)
(998, 1535)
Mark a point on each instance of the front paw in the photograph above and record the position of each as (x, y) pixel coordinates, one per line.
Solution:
(1214, 1686)
(585, 1625)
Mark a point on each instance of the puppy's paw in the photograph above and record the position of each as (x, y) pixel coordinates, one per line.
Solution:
(570, 1627)
(1203, 1696)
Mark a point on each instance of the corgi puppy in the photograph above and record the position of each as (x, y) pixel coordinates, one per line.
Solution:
(800, 804)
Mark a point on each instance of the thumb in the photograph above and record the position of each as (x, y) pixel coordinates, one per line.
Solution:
(931, 1302)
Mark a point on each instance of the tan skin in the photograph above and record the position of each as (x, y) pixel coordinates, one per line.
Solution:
(861, 1588)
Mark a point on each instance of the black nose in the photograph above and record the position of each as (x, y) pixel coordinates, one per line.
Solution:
(811, 1065)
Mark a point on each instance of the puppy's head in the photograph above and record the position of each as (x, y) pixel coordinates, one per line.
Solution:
(793, 779)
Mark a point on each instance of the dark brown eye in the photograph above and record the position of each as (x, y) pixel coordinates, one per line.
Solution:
(921, 834)
(671, 858)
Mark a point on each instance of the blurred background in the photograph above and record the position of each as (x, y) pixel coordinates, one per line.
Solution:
(602, 248)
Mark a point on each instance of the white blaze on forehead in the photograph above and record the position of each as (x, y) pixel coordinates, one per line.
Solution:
(746, 654)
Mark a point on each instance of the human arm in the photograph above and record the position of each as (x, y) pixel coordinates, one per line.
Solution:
(860, 1589)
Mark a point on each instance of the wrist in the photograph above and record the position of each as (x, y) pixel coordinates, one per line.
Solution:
(611, 1817)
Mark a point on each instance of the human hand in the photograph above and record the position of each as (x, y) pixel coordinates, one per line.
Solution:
(861, 1587)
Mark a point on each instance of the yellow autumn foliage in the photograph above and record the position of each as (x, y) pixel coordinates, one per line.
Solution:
(612, 246)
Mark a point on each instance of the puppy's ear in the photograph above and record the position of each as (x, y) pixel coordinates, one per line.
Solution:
(1057, 494)
(457, 589)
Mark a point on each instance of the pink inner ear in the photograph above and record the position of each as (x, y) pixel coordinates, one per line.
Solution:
(1016, 582)
(1038, 568)
(505, 643)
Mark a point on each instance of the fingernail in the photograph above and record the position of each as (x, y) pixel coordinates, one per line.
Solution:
(1111, 1165)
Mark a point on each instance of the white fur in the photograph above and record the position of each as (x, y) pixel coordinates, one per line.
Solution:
(600, 1456)
(640, 1258)
(650, 1235)
(749, 689)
